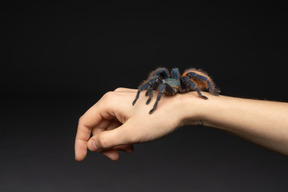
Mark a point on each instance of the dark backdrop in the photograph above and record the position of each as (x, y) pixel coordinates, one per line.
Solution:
(58, 59)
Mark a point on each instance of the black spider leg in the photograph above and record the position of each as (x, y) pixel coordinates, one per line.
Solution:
(186, 80)
(144, 87)
(157, 75)
(168, 88)
(160, 92)
(161, 72)
(150, 93)
(212, 88)
(163, 86)
(175, 73)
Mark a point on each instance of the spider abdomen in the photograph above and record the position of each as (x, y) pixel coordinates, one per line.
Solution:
(200, 83)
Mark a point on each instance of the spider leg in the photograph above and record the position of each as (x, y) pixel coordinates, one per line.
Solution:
(150, 92)
(144, 87)
(161, 90)
(154, 77)
(170, 90)
(161, 72)
(188, 81)
(175, 73)
(211, 85)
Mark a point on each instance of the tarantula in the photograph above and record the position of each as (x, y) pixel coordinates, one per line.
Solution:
(191, 79)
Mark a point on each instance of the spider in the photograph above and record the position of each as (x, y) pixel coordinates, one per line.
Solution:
(171, 84)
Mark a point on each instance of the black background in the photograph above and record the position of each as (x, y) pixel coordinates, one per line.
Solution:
(59, 59)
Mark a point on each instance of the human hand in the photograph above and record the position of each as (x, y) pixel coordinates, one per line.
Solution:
(116, 124)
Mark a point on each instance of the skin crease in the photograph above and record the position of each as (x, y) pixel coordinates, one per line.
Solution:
(116, 124)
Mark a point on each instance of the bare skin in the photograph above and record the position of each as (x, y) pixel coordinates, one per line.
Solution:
(116, 125)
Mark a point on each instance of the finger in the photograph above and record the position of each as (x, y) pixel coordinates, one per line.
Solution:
(114, 155)
(114, 123)
(111, 154)
(103, 109)
(87, 122)
(92, 146)
(82, 136)
(125, 148)
(105, 124)
(109, 139)
(108, 125)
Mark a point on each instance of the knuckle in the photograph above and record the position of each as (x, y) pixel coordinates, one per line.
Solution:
(108, 95)
(80, 120)
(119, 89)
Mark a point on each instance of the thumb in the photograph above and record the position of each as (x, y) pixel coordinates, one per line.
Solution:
(108, 139)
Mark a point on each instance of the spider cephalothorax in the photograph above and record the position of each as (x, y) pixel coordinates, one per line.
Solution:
(170, 84)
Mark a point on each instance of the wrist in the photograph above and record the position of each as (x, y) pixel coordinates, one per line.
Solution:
(198, 111)
(191, 108)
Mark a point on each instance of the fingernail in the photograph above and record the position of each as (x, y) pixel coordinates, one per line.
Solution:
(94, 146)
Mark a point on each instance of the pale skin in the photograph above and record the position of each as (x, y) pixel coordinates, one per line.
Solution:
(114, 124)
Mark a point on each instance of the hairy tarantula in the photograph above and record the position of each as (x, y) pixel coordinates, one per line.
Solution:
(191, 79)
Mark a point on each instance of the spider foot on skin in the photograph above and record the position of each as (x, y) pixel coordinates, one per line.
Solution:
(204, 97)
(151, 111)
(148, 101)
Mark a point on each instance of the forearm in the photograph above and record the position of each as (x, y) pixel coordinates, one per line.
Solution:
(262, 122)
